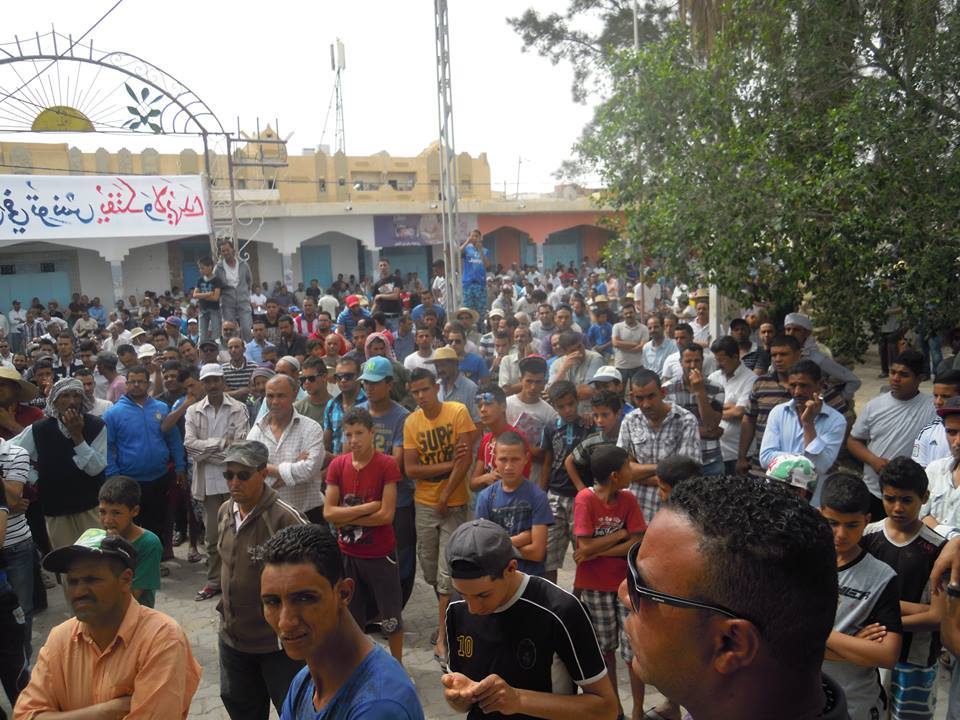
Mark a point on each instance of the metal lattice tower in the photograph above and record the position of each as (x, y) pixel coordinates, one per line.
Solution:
(338, 64)
(449, 186)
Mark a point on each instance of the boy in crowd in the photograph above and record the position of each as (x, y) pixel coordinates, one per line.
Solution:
(119, 505)
(559, 440)
(607, 522)
(607, 413)
(360, 501)
(517, 505)
(528, 412)
(672, 470)
(600, 333)
(903, 542)
(207, 294)
(492, 406)
(866, 633)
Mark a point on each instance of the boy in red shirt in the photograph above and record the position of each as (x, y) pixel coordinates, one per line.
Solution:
(607, 521)
(360, 501)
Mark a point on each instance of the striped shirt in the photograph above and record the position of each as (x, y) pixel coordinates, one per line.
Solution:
(301, 478)
(15, 466)
(237, 378)
(678, 393)
(679, 434)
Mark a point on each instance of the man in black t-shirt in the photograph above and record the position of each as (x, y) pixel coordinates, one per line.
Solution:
(504, 633)
(207, 294)
(386, 293)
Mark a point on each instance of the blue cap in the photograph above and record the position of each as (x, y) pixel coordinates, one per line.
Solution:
(376, 369)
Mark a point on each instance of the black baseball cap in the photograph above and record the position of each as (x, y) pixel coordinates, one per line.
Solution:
(480, 548)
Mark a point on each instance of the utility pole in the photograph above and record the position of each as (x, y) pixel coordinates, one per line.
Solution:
(449, 185)
(338, 63)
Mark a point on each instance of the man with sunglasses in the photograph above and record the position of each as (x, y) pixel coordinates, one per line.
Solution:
(348, 371)
(506, 632)
(313, 381)
(253, 669)
(211, 425)
(732, 594)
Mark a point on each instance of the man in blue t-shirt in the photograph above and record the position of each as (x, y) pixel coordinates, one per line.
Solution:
(475, 262)
(517, 505)
(303, 582)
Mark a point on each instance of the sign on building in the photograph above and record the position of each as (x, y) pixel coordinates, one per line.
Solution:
(60, 207)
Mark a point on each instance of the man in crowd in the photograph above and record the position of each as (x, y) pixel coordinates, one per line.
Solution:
(212, 425)
(655, 430)
(931, 443)
(295, 446)
(313, 380)
(99, 406)
(66, 362)
(454, 386)
(800, 326)
(16, 412)
(351, 393)
(352, 314)
(672, 367)
(386, 293)
(758, 359)
(437, 442)
(476, 260)
(68, 448)
(737, 380)
(291, 342)
(253, 671)
(888, 425)
(804, 425)
(705, 401)
(428, 301)
(254, 349)
(307, 322)
(235, 296)
(507, 673)
(116, 658)
(545, 325)
(237, 372)
(137, 447)
(659, 348)
(704, 641)
(345, 673)
(629, 337)
(576, 364)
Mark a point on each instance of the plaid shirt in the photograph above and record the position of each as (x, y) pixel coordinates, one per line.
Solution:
(301, 478)
(679, 434)
(679, 394)
(333, 418)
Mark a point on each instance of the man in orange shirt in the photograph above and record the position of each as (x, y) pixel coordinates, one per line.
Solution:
(116, 658)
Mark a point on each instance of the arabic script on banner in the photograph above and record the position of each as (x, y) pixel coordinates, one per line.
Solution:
(39, 207)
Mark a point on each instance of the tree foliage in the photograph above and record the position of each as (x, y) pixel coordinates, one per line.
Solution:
(811, 149)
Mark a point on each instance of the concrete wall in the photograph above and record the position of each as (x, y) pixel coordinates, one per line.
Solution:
(343, 256)
(270, 265)
(146, 268)
(95, 277)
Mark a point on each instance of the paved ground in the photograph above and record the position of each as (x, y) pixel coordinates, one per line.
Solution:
(199, 620)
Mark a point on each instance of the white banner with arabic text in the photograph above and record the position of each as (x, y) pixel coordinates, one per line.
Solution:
(61, 207)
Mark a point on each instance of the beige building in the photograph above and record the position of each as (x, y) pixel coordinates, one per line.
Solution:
(313, 215)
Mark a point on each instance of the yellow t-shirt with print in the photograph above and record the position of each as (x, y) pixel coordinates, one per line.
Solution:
(435, 441)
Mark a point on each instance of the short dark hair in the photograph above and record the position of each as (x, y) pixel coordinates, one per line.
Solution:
(782, 340)
(509, 437)
(284, 318)
(845, 493)
(684, 327)
(422, 374)
(83, 372)
(676, 468)
(605, 460)
(560, 389)
(644, 376)
(358, 416)
(607, 399)
(768, 555)
(808, 368)
(138, 370)
(739, 323)
(726, 345)
(569, 338)
(87, 346)
(350, 360)
(692, 347)
(120, 490)
(315, 363)
(902, 473)
(457, 328)
(121, 349)
(948, 377)
(297, 544)
(206, 261)
(910, 359)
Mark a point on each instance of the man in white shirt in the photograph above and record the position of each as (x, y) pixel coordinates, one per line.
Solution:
(701, 321)
(932, 443)
(295, 445)
(683, 336)
(212, 424)
(647, 297)
(737, 381)
(628, 339)
(329, 304)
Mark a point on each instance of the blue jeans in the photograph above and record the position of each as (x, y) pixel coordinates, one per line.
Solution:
(19, 559)
(713, 468)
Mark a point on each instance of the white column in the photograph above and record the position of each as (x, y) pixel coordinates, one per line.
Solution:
(116, 271)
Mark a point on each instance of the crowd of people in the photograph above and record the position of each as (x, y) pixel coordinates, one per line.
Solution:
(315, 447)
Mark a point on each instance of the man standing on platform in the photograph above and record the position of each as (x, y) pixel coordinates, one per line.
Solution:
(235, 295)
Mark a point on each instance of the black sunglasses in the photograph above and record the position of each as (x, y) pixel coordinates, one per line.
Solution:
(638, 592)
(345, 376)
(242, 475)
(308, 378)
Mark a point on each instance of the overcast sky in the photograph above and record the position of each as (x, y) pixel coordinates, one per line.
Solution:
(272, 59)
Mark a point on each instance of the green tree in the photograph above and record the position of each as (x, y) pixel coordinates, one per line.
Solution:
(809, 149)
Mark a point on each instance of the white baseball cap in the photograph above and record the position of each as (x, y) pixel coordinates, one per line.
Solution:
(607, 373)
(211, 370)
(146, 350)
